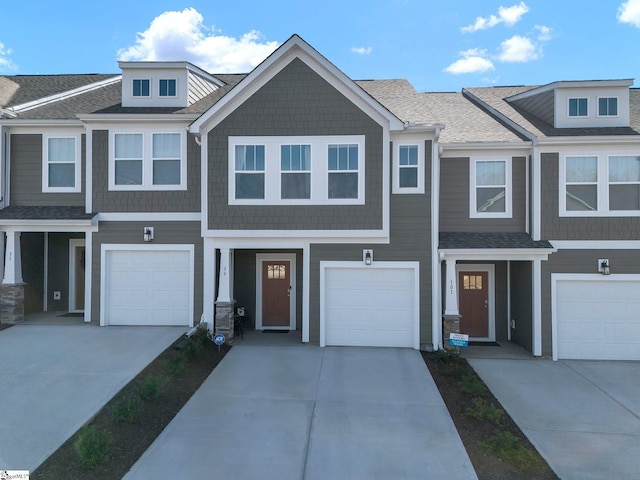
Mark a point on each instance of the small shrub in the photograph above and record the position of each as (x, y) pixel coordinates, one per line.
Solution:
(150, 388)
(127, 409)
(472, 385)
(484, 410)
(175, 364)
(93, 446)
(192, 348)
(511, 450)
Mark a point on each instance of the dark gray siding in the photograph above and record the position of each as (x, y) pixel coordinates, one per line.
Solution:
(165, 233)
(244, 290)
(410, 226)
(143, 201)
(580, 261)
(32, 250)
(541, 106)
(454, 199)
(521, 304)
(555, 227)
(296, 101)
(26, 175)
(58, 270)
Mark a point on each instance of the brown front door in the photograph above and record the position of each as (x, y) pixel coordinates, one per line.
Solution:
(276, 294)
(474, 303)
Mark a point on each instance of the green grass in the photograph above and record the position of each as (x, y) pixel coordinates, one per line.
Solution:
(510, 449)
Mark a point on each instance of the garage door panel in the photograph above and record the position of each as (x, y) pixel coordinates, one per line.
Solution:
(369, 307)
(148, 287)
(598, 319)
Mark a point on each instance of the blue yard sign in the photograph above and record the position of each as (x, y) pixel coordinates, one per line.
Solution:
(458, 340)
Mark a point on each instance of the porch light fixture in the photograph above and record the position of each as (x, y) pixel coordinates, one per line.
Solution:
(147, 234)
(603, 266)
(367, 256)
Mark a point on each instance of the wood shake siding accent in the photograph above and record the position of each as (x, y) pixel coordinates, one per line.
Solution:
(410, 241)
(26, 175)
(555, 227)
(296, 102)
(165, 233)
(143, 200)
(580, 261)
(454, 199)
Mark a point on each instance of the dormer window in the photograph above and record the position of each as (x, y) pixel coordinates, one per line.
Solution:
(578, 107)
(141, 87)
(608, 107)
(167, 87)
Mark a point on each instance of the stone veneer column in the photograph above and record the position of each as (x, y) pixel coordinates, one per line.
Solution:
(450, 324)
(224, 320)
(11, 303)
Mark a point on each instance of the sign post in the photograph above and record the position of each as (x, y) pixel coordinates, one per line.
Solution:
(218, 339)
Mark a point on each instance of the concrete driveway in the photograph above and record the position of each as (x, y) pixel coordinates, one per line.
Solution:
(56, 377)
(582, 416)
(304, 412)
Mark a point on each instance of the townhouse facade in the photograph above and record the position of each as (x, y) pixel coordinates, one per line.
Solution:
(355, 212)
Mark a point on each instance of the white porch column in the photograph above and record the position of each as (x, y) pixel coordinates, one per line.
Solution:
(12, 260)
(2, 256)
(209, 282)
(451, 288)
(536, 304)
(226, 276)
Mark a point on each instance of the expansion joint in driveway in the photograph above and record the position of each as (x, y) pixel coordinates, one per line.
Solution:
(311, 419)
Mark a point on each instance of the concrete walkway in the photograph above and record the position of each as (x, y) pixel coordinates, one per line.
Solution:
(56, 377)
(306, 412)
(583, 417)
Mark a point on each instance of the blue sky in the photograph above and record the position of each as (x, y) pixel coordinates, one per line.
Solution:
(437, 46)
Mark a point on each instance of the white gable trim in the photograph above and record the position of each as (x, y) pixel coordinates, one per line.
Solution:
(293, 48)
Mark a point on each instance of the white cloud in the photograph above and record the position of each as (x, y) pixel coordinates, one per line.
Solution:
(361, 50)
(472, 61)
(544, 33)
(629, 12)
(183, 36)
(5, 61)
(507, 15)
(518, 49)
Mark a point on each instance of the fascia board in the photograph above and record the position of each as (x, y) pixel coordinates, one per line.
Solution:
(496, 253)
(138, 117)
(588, 140)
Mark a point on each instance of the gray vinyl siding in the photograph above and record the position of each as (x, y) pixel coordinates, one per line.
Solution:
(521, 304)
(296, 102)
(244, 278)
(454, 199)
(410, 241)
(541, 106)
(170, 201)
(26, 175)
(58, 269)
(165, 233)
(580, 261)
(555, 227)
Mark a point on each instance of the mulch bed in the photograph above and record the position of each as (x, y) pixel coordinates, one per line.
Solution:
(183, 370)
(475, 413)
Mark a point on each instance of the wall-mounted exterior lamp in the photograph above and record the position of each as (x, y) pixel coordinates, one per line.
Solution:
(603, 266)
(367, 256)
(147, 234)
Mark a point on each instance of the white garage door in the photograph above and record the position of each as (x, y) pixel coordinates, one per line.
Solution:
(148, 287)
(370, 307)
(598, 319)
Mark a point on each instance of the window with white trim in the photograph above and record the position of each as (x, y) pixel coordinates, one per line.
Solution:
(141, 87)
(599, 185)
(167, 87)
(61, 164)
(578, 107)
(408, 168)
(608, 107)
(296, 170)
(490, 193)
(147, 160)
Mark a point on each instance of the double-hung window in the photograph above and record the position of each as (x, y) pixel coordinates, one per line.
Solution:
(343, 171)
(578, 107)
(490, 194)
(295, 168)
(408, 166)
(581, 183)
(624, 182)
(147, 160)
(608, 107)
(61, 164)
(249, 167)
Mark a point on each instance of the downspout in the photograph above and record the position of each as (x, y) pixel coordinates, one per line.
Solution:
(436, 281)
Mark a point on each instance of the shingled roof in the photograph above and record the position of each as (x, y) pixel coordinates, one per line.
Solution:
(45, 213)
(502, 240)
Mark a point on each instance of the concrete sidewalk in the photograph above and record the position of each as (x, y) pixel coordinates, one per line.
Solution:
(306, 412)
(582, 416)
(56, 377)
